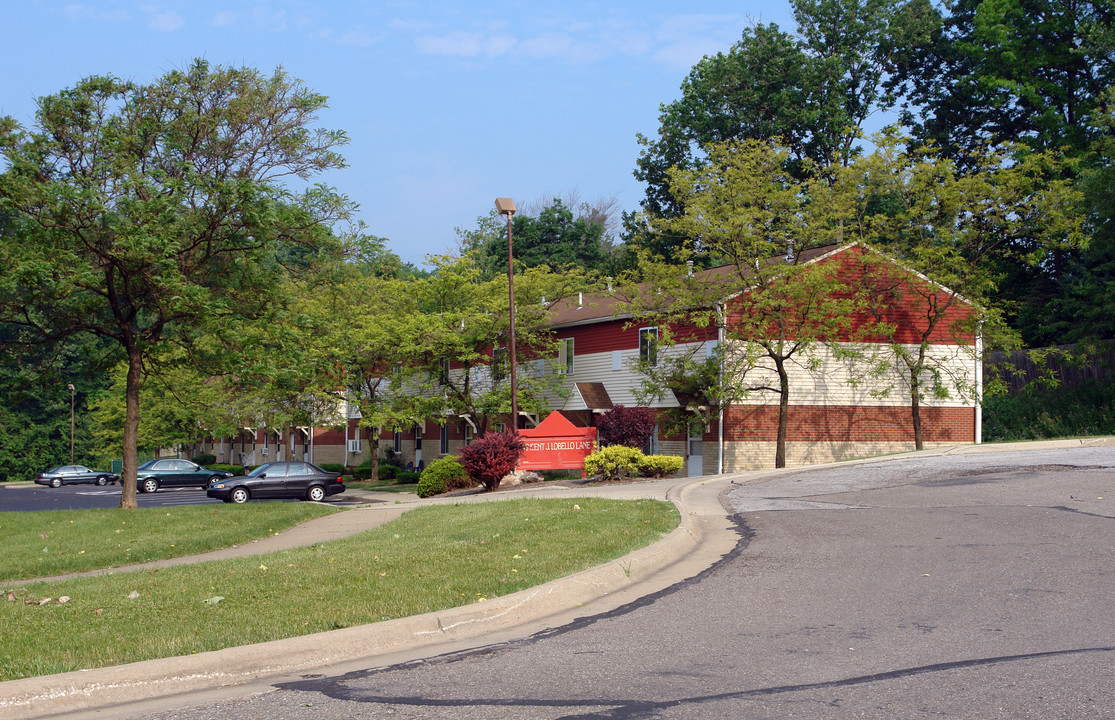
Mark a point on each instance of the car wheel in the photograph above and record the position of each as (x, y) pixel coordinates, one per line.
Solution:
(239, 495)
(56, 482)
(149, 485)
(316, 493)
(102, 481)
(210, 481)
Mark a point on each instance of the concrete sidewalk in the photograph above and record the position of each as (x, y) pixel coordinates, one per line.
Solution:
(704, 535)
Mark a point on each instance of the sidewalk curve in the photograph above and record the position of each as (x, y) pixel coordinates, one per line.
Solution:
(704, 535)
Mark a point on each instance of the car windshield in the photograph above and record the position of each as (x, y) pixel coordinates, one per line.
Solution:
(259, 470)
(147, 465)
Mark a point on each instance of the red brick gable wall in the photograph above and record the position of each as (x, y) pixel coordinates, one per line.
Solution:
(907, 307)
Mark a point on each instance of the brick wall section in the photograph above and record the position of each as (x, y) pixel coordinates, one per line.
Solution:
(821, 423)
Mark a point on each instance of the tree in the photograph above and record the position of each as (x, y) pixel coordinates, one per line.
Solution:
(630, 426)
(1086, 310)
(556, 238)
(811, 92)
(151, 214)
(947, 230)
(463, 322)
(364, 335)
(1034, 73)
(771, 305)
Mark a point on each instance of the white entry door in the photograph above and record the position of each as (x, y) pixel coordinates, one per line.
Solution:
(696, 441)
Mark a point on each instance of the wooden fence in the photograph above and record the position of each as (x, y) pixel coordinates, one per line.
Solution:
(1068, 365)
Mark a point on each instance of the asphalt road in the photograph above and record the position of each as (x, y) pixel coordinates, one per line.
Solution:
(28, 497)
(967, 586)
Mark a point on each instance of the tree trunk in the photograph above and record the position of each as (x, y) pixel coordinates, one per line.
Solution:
(915, 409)
(128, 477)
(375, 453)
(783, 413)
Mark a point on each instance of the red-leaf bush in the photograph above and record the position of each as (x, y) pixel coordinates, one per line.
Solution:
(629, 426)
(492, 456)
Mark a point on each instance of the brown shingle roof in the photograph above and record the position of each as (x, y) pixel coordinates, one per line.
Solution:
(595, 396)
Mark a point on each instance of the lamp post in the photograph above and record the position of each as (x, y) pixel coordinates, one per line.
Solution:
(506, 206)
(71, 387)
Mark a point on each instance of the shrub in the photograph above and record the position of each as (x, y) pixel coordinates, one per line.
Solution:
(204, 459)
(492, 456)
(1087, 409)
(614, 462)
(443, 475)
(334, 468)
(234, 469)
(629, 426)
(388, 472)
(407, 476)
(361, 473)
(658, 466)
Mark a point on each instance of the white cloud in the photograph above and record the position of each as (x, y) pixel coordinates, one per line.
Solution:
(352, 38)
(225, 18)
(76, 12)
(165, 21)
(558, 45)
(465, 44)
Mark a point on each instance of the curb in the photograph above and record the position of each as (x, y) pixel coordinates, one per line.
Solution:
(703, 536)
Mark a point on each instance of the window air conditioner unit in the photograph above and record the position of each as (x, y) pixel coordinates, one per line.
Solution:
(263, 451)
(354, 446)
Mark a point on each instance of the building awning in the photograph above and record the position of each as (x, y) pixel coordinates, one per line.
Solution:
(595, 396)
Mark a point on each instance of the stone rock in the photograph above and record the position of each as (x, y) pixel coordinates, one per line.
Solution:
(520, 477)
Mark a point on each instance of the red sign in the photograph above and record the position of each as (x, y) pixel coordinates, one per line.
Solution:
(557, 444)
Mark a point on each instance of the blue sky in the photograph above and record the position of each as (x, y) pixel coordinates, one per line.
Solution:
(448, 105)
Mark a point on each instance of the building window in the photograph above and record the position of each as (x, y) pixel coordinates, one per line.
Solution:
(565, 356)
(417, 437)
(466, 430)
(397, 445)
(499, 363)
(444, 440)
(648, 346)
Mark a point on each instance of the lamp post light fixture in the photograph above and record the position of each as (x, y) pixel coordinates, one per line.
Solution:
(71, 387)
(506, 206)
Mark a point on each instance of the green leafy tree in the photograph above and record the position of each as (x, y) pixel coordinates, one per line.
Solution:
(944, 232)
(556, 238)
(365, 338)
(151, 213)
(772, 307)
(35, 405)
(812, 92)
(463, 322)
(1086, 309)
(1034, 73)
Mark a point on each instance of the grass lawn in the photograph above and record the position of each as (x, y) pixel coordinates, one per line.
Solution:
(431, 558)
(55, 542)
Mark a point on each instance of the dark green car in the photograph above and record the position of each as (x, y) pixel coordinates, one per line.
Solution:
(172, 472)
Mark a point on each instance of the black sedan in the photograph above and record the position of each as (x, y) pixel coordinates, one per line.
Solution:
(298, 480)
(67, 474)
(172, 472)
